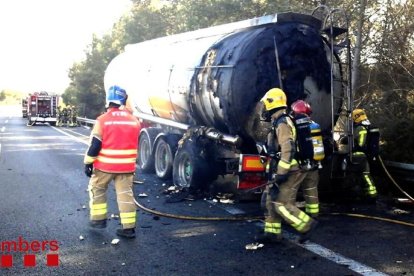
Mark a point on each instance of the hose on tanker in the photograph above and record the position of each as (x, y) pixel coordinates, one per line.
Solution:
(393, 181)
(242, 218)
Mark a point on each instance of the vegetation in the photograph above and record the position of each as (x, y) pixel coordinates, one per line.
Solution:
(8, 97)
(383, 38)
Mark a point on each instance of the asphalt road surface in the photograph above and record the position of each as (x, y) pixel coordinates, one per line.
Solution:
(44, 213)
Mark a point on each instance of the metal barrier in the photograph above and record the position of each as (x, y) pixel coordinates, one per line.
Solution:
(85, 121)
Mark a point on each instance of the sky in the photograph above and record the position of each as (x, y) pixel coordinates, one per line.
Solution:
(41, 39)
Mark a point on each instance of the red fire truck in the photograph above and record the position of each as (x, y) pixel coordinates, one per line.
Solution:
(24, 107)
(42, 108)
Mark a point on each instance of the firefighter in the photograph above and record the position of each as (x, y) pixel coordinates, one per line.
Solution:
(281, 196)
(73, 114)
(64, 117)
(310, 182)
(361, 126)
(59, 116)
(111, 156)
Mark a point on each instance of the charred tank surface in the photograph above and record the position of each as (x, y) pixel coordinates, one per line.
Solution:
(216, 76)
(237, 71)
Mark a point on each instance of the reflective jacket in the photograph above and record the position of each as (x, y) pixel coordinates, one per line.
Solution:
(285, 138)
(118, 130)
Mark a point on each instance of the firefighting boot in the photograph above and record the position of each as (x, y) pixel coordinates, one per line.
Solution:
(98, 223)
(268, 238)
(307, 235)
(126, 233)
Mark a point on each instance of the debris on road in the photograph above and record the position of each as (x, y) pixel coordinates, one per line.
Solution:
(113, 216)
(115, 241)
(138, 182)
(397, 211)
(254, 246)
(81, 238)
(142, 195)
(227, 201)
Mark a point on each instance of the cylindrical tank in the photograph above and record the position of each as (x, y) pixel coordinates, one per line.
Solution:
(217, 76)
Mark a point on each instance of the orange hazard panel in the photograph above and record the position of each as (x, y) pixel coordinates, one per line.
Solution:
(252, 163)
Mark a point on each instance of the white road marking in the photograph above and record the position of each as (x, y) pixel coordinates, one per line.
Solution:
(334, 257)
(72, 136)
(77, 133)
(314, 247)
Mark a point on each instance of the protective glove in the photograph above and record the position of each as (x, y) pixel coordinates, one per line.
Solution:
(88, 169)
(281, 178)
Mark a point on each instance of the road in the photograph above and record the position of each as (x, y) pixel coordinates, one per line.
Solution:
(43, 201)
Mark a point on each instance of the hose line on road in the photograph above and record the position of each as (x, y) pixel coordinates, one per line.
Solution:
(242, 218)
(393, 181)
(371, 217)
(168, 215)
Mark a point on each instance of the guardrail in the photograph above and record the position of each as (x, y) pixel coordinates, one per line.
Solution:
(403, 171)
(85, 121)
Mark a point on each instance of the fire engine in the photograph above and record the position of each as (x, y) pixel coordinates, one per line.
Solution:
(24, 107)
(42, 108)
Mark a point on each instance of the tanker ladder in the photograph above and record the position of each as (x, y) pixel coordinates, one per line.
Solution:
(335, 30)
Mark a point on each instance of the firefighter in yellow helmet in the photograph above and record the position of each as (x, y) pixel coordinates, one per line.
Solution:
(281, 196)
(361, 128)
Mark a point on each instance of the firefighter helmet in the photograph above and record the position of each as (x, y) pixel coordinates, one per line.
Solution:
(301, 107)
(274, 98)
(359, 115)
(116, 95)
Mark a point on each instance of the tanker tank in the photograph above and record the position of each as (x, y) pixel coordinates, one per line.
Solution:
(216, 77)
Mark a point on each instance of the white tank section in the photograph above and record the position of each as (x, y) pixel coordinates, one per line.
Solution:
(216, 76)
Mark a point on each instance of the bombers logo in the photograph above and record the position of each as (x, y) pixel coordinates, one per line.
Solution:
(7, 248)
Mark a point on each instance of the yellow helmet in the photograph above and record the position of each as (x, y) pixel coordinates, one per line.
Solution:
(359, 115)
(274, 98)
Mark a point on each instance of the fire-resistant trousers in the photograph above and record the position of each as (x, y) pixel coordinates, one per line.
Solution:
(98, 185)
(283, 206)
(361, 161)
(310, 192)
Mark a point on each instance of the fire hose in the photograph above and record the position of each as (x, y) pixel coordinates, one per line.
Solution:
(393, 181)
(247, 218)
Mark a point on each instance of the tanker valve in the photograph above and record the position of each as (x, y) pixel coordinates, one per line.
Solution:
(218, 136)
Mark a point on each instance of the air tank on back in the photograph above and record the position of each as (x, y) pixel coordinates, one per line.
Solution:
(216, 76)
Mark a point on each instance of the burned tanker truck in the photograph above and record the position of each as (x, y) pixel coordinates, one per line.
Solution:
(198, 94)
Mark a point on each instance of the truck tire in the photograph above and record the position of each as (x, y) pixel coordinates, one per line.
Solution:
(145, 149)
(190, 170)
(163, 158)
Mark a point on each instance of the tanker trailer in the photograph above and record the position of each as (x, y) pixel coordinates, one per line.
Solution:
(198, 94)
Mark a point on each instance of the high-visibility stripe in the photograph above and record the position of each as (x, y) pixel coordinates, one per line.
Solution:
(89, 159)
(116, 160)
(273, 227)
(362, 135)
(118, 152)
(312, 208)
(98, 209)
(129, 217)
(120, 123)
(284, 164)
(285, 212)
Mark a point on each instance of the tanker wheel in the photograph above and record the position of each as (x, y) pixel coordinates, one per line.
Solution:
(190, 170)
(163, 159)
(145, 156)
